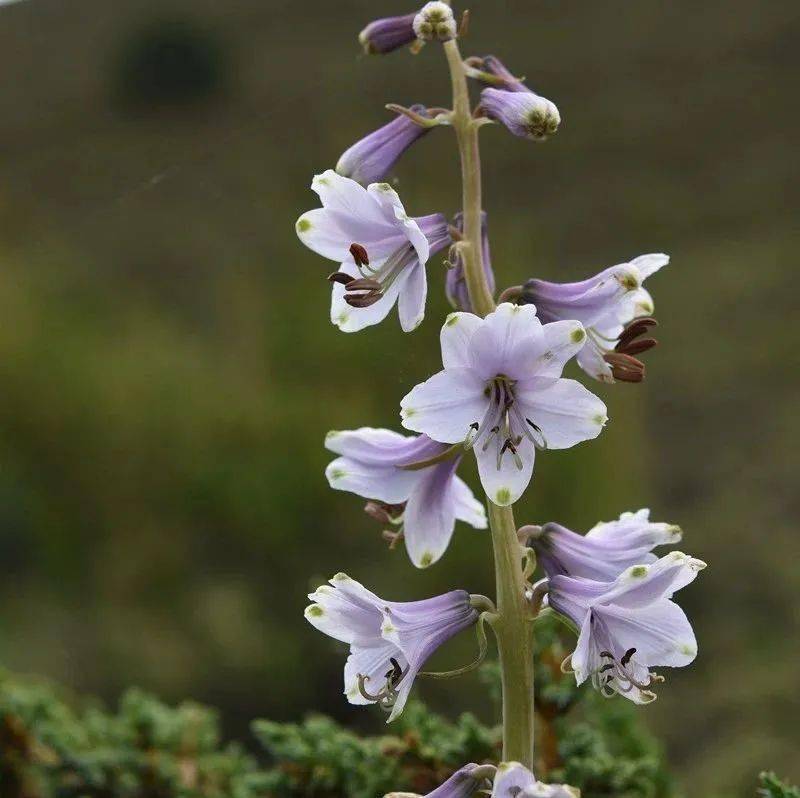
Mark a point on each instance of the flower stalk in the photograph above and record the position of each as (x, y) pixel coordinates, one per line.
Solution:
(512, 625)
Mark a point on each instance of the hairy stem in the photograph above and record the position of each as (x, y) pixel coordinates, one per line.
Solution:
(512, 625)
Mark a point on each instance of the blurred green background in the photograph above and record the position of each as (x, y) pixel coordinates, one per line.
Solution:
(168, 370)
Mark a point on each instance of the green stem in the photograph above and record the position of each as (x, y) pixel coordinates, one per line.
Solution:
(512, 625)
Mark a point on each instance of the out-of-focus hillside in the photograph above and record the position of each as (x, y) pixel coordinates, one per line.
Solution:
(168, 372)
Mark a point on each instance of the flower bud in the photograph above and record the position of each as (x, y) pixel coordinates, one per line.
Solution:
(387, 34)
(435, 22)
(524, 113)
(491, 71)
(372, 158)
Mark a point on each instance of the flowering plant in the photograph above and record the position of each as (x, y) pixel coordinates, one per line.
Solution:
(501, 395)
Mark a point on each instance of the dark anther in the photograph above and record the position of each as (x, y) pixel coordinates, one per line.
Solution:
(364, 284)
(624, 366)
(383, 513)
(508, 446)
(361, 300)
(341, 278)
(635, 329)
(359, 254)
(639, 346)
(607, 667)
(607, 654)
(626, 657)
(395, 674)
(537, 428)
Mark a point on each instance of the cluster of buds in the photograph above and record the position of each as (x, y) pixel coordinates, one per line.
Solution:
(433, 22)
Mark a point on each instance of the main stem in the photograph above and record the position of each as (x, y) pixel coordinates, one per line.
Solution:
(513, 628)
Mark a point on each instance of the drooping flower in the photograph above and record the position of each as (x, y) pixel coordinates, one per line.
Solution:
(427, 500)
(605, 551)
(384, 35)
(382, 251)
(501, 391)
(464, 783)
(524, 113)
(389, 641)
(371, 159)
(605, 304)
(629, 626)
(435, 22)
(455, 281)
(514, 780)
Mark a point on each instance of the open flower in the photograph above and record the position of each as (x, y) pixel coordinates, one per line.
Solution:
(464, 783)
(629, 625)
(389, 641)
(501, 391)
(514, 780)
(371, 159)
(605, 551)
(382, 251)
(427, 500)
(604, 304)
(455, 281)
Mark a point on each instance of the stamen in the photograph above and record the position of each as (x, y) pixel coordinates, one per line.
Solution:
(360, 255)
(362, 300)
(635, 329)
(364, 284)
(341, 278)
(638, 346)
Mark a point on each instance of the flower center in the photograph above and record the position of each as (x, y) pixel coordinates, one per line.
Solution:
(503, 425)
(371, 287)
(386, 697)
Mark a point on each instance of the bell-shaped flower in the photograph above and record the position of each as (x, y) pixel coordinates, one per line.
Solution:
(371, 159)
(628, 626)
(605, 304)
(415, 477)
(382, 251)
(384, 35)
(605, 551)
(464, 783)
(389, 641)
(514, 780)
(523, 113)
(501, 392)
(455, 282)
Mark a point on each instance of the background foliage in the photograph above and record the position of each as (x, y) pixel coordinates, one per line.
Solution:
(167, 370)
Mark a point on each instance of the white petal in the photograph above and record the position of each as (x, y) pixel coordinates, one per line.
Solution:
(660, 633)
(565, 411)
(411, 301)
(382, 483)
(348, 197)
(562, 341)
(468, 508)
(455, 336)
(649, 264)
(352, 616)
(583, 659)
(393, 212)
(445, 405)
(319, 231)
(509, 342)
(371, 444)
(511, 780)
(372, 662)
(506, 484)
(430, 515)
(350, 319)
(590, 359)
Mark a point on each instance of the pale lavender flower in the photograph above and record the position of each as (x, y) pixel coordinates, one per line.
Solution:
(524, 113)
(455, 281)
(381, 251)
(371, 159)
(605, 551)
(389, 641)
(501, 391)
(629, 625)
(514, 780)
(464, 783)
(604, 304)
(426, 501)
(387, 34)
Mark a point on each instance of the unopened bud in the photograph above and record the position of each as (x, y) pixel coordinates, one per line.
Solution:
(524, 113)
(390, 33)
(435, 22)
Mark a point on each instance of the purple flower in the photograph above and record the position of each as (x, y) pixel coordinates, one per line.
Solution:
(501, 392)
(455, 282)
(514, 780)
(524, 113)
(389, 641)
(372, 158)
(426, 500)
(604, 304)
(629, 625)
(464, 783)
(605, 551)
(381, 250)
(389, 33)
